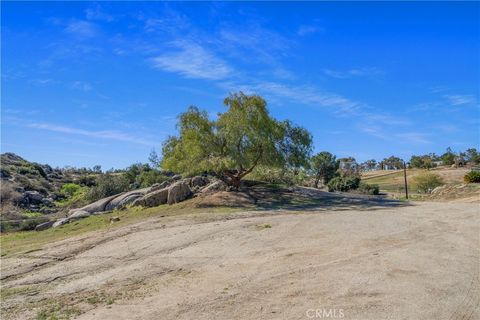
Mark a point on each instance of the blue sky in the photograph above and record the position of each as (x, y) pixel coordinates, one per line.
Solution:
(87, 83)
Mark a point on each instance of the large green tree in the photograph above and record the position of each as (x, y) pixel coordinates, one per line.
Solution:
(425, 161)
(323, 166)
(242, 138)
(296, 146)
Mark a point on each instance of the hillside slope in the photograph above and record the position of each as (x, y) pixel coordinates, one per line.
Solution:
(392, 182)
(29, 190)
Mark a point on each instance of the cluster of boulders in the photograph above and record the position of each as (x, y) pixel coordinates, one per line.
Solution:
(29, 185)
(36, 202)
(168, 192)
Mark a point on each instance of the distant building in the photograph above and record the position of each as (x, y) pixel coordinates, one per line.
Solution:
(389, 167)
(348, 164)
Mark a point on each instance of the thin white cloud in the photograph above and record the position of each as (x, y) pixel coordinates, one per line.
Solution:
(42, 82)
(193, 61)
(378, 117)
(96, 13)
(309, 95)
(166, 20)
(82, 29)
(375, 131)
(414, 137)
(304, 30)
(458, 99)
(300, 94)
(82, 86)
(358, 72)
(103, 134)
(247, 41)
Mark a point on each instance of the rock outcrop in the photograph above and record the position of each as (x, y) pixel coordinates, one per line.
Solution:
(153, 199)
(123, 200)
(97, 206)
(80, 214)
(33, 197)
(199, 181)
(178, 192)
(173, 191)
(60, 222)
(215, 186)
(44, 226)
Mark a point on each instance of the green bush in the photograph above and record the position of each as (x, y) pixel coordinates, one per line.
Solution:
(278, 175)
(75, 195)
(107, 185)
(427, 181)
(472, 177)
(343, 183)
(86, 180)
(371, 189)
(148, 178)
(267, 174)
(69, 189)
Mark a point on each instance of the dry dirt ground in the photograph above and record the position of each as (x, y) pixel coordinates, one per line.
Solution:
(352, 258)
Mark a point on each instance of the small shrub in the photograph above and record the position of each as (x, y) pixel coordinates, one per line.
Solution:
(343, 183)
(427, 181)
(472, 177)
(371, 189)
(74, 196)
(86, 180)
(8, 194)
(69, 189)
(108, 185)
(148, 178)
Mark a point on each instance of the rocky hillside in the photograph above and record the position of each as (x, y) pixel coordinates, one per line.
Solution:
(29, 190)
(38, 195)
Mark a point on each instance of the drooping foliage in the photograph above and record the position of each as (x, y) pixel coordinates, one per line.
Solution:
(231, 146)
(296, 146)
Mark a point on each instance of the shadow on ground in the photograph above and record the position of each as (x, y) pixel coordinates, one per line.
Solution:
(268, 197)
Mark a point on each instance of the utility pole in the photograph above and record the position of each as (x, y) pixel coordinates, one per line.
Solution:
(405, 177)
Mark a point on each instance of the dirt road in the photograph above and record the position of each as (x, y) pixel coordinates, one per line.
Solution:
(402, 261)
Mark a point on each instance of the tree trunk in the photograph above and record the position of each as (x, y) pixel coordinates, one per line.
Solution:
(236, 182)
(234, 179)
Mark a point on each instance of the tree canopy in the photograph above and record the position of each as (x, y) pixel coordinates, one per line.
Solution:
(393, 161)
(425, 161)
(323, 166)
(448, 158)
(242, 138)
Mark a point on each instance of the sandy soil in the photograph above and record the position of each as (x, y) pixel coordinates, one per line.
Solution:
(361, 260)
